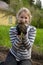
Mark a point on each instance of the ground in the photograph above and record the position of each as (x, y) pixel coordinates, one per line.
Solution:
(37, 59)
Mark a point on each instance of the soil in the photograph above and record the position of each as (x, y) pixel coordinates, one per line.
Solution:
(37, 59)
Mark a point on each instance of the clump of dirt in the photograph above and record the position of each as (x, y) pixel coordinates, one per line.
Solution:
(37, 59)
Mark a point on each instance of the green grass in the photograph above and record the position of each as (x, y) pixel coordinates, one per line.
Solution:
(39, 40)
(5, 40)
(4, 36)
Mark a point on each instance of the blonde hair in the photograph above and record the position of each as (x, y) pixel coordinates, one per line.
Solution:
(25, 10)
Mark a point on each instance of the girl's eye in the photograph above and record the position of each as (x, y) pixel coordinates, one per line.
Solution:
(25, 17)
(21, 16)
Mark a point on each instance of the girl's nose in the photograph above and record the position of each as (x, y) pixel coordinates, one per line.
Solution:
(23, 20)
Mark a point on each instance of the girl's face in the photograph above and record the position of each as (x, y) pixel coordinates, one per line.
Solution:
(23, 18)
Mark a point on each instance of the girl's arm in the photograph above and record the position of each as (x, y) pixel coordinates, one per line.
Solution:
(29, 39)
(14, 38)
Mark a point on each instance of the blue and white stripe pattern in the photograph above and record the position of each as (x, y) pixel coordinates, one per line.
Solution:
(22, 50)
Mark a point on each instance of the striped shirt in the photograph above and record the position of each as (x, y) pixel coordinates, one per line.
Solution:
(22, 50)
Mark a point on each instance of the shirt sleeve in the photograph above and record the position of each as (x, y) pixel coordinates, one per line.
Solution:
(29, 39)
(15, 40)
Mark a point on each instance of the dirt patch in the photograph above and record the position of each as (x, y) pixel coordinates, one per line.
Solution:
(37, 59)
(3, 53)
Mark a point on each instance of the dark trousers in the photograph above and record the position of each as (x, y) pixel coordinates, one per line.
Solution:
(11, 60)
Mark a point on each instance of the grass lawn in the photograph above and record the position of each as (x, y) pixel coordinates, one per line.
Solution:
(38, 44)
(5, 41)
(4, 36)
